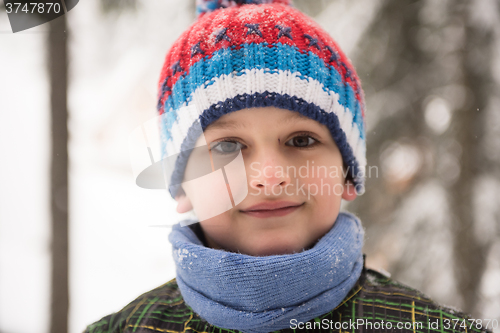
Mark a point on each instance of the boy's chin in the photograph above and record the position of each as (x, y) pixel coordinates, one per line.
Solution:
(275, 247)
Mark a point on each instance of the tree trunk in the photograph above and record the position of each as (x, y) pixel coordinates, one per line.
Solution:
(469, 128)
(57, 60)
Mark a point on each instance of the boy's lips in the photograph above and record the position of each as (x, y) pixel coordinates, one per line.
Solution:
(271, 205)
(270, 209)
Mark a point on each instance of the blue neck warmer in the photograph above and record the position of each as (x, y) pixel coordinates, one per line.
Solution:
(262, 294)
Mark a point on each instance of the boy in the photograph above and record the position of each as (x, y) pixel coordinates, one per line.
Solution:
(257, 88)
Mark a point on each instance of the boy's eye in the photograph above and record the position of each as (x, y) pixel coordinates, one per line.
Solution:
(226, 147)
(303, 141)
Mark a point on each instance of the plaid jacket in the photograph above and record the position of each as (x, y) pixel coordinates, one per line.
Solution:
(375, 304)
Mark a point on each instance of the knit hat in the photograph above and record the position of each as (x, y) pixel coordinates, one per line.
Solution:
(257, 53)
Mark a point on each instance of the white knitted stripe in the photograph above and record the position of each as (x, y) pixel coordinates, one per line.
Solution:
(256, 81)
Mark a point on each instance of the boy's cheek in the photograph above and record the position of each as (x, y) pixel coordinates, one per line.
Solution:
(209, 195)
(321, 188)
(215, 192)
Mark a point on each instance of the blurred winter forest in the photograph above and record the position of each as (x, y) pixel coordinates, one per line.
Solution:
(430, 70)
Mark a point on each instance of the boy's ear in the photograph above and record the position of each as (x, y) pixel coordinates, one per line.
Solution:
(349, 193)
(184, 205)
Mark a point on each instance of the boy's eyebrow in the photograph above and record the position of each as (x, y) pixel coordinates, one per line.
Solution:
(231, 124)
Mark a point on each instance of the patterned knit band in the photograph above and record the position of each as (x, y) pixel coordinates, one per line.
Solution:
(246, 55)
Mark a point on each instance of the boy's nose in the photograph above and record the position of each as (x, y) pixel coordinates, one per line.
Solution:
(268, 172)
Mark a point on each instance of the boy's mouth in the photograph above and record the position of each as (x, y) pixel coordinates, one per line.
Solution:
(270, 209)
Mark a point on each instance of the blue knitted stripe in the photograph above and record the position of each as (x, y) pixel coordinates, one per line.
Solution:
(241, 102)
(278, 57)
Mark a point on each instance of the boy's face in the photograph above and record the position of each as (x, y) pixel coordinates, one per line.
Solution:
(275, 144)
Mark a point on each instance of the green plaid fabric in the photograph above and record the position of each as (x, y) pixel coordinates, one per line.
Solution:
(375, 304)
